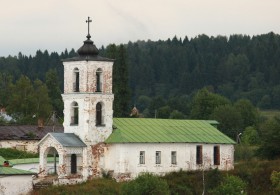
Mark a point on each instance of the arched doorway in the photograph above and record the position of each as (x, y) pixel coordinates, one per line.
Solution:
(51, 160)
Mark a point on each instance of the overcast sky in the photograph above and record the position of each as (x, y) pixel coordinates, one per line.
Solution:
(29, 25)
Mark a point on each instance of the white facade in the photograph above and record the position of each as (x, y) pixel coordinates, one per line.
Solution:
(87, 97)
(15, 184)
(123, 160)
(24, 145)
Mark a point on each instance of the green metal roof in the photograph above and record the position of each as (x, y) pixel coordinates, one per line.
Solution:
(29, 160)
(147, 130)
(13, 171)
(2, 160)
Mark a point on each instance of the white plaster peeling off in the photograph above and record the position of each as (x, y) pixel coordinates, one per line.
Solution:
(13, 185)
(25, 145)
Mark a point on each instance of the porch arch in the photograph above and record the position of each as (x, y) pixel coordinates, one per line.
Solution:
(55, 167)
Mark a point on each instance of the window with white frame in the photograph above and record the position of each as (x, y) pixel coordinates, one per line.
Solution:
(142, 157)
(158, 157)
(173, 157)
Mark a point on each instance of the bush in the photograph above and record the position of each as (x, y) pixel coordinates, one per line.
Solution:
(146, 183)
(275, 180)
(250, 136)
(95, 186)
(230, 185)
(213, 179)
(245, 152)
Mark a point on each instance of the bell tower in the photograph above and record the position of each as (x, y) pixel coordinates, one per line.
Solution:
(88, 98)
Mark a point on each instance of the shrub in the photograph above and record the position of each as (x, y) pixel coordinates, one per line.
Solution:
(275, 180)
(230, 185)
(146, 184)
(213, 179)
(245, 152)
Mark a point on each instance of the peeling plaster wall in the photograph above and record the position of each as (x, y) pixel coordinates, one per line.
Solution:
(98, 158)
(87, 74)
(25, 145)
(123, 159)
(49, 142)
(86, 128)
(18, 184)
(64, 165)
(87, 100)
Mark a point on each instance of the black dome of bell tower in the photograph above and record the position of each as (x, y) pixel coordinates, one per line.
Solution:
(88, 49)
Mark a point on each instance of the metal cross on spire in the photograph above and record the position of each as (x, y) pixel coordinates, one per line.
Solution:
(88, 21)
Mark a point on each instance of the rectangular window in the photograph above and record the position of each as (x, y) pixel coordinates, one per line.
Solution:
(158, 157)
(173, 158)
(199, 155)
(216, 155)
(142, 157)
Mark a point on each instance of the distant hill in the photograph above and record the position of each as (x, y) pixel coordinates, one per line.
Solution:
(237, 67)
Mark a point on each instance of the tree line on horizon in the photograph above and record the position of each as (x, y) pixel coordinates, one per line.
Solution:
(210, 78)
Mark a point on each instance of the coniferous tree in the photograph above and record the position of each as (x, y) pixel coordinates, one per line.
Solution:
(120, 84)
(42, 101)
(54, 92)
(5, 84)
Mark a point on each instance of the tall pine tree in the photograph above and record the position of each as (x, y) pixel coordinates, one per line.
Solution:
(120, 80)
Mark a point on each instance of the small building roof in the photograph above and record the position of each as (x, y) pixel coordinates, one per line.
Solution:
(29, 160)
(26, 132)
(66, 139)
(2, 160)
(14, 171)
(145, 130)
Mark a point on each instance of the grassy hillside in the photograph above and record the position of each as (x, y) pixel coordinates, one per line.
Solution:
(270, 113)
(9, 153)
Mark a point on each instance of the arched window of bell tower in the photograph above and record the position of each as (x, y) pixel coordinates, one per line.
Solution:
(76, 80)
(74, 113)
(99, 78)
(100, 114)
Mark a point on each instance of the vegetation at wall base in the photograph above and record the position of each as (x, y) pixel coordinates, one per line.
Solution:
(251, 177)
(94, 186)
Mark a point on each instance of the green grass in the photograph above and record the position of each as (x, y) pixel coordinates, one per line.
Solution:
(9, 153)
(269, 113)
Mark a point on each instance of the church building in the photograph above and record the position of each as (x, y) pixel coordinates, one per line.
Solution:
(94, 143)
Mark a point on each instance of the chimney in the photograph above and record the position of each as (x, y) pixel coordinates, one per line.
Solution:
(40, 123)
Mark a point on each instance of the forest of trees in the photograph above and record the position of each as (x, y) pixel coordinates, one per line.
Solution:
(236, 67)
(213, 78)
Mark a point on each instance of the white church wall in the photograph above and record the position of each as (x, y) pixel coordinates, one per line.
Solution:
(24, 145)
(86, 128)
(87, 99)
(87, 75)
(45, 146)
(123, 159)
